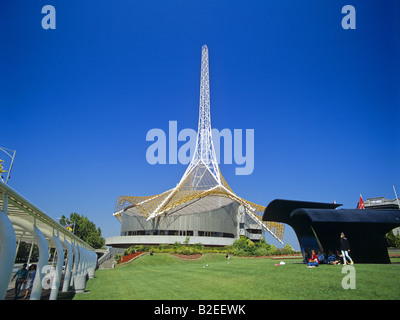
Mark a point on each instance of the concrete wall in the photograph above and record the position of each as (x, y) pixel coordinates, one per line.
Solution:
(127, 241)
(218, 227)
(222, 220)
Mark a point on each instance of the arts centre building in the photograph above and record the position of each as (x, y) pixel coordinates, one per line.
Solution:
(202, 208)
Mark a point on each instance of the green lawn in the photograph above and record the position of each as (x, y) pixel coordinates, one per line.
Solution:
(163, 276)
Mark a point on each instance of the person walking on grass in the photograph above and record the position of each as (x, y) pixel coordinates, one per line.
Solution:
(345, 248)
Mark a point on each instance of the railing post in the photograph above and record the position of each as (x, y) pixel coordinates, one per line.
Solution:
(79, 267)
(68, 267)
(76, 262)
(42, 263)
(60, 260)
(7, 248)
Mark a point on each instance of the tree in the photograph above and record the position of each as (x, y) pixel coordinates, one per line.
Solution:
(287, 249)
(392, 240)
(84, 229)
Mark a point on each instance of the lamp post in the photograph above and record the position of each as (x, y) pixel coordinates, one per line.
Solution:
(7, 152)
(70, 223)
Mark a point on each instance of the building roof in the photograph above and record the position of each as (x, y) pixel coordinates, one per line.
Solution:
(279, 210)
(350, 215)
(381, 203)
(196, 205)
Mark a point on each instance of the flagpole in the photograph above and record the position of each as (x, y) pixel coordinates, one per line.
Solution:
(398, 203)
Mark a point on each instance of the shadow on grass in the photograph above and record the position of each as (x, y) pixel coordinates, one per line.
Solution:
(65, 295)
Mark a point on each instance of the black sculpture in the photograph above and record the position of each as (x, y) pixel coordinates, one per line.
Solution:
(318, 226)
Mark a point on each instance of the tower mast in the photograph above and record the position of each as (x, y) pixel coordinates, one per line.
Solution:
(202, 172)
(202, 178)
(204, 154)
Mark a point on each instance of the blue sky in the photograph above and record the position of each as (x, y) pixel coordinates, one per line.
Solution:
(76, 102)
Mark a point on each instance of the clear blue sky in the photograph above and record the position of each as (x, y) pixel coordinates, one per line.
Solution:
(76, 102)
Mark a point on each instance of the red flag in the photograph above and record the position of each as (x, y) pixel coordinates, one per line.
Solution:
(361, 203)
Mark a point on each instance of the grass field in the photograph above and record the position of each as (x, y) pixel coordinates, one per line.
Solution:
(163, 276)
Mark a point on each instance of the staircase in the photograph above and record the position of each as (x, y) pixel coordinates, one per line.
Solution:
(107, 260)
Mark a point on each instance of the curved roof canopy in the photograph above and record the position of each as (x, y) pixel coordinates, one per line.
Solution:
(23, 215)
(279, 210)
(387, 217)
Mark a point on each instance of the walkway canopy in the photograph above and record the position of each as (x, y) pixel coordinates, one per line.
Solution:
(20, 220)
(21, 208)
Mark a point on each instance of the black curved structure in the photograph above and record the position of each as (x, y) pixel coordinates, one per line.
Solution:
(318, 226)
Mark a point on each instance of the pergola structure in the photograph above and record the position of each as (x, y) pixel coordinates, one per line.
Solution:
(20, 220)
(202, 183)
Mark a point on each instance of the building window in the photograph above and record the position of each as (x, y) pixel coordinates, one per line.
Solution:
(215, 234)
(254, 231)
(188, 233)
(173, 232)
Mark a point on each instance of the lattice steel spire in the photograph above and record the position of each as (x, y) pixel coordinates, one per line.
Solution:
(202, 177)
(204, 155)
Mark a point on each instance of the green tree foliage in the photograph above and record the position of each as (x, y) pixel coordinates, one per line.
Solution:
(392, 240)
(85, 229)
(245, 247)
(24, 250)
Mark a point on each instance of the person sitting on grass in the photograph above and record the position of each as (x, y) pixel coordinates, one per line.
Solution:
(313, 262)
(333, 258)
(339, 257)
(321, 257)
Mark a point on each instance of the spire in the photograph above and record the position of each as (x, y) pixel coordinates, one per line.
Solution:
(204, 148)
(202, 173)
(204, 155)
(202, 178)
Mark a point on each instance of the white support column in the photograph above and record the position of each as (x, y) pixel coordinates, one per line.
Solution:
(84, 262)
(80, 277)
(60, 260)
(91, 260)
(85, 265)
(94, 259)
(30, 253)
(79, 267)
(16, 250)
(92, 264)
(42, 264)
(7, 248)
(76, 262)
(68, 267)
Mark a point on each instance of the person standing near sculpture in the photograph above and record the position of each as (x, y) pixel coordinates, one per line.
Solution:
(345, 248)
